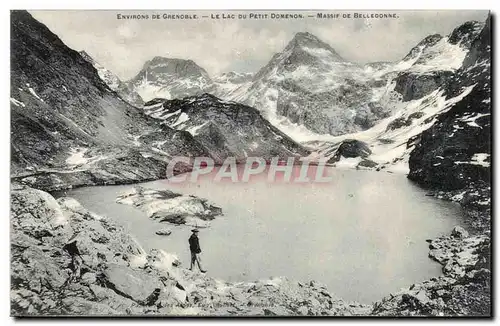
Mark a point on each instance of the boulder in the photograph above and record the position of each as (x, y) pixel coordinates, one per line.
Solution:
(367, 164)
(164, 232)
(351, 148)
(459, 232)
(132, 284)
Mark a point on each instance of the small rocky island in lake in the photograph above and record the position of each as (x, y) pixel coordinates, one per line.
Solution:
(171, 207)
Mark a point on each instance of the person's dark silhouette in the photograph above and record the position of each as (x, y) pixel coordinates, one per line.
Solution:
(194, 247)
(76, 259)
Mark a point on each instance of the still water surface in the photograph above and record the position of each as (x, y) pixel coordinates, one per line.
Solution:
(362, 235)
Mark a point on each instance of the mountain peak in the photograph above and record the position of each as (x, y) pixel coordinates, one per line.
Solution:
(306, 36)
(428, 41)
(466, 32)
(175, 66)
(305, 41)
(308, 39)
(176, 61)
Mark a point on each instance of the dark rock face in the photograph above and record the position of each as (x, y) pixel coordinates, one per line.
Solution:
(404, 122)
(225, 128)
(351, 148)
(456, 150)
(466, 33)
(414, 86)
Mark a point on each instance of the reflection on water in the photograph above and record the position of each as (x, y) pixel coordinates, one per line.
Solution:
(362, 235)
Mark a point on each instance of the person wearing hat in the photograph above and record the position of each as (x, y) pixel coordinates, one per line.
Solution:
(194, 247)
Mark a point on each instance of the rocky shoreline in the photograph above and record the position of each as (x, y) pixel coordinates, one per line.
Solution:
(66, 260)
(110, 274)
(464, 289)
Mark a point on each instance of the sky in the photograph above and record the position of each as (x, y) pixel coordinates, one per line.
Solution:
(124, 45)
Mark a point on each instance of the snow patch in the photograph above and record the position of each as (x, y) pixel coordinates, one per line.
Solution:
(76, 156)
(441, 56)
(32, 91)
(195, 129)
(17, 103)
(477, 159)
(181, 119)
(348, 163)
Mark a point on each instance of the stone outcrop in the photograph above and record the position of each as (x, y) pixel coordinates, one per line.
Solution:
(164, 232)
(414, 86)
(350, 148)
(171, 207)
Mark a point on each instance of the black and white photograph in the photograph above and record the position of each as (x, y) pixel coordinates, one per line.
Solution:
(250, 163)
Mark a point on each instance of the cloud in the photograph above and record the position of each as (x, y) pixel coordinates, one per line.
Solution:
(245, 45)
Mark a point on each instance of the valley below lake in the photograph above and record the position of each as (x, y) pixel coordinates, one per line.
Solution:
(363, 234)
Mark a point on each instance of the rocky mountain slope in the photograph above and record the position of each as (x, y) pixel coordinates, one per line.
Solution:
(114, 82)
(443, 139)
(68, 127)
(170, 79)
(225, 128)
(309, 84)
(228, 84)
(456, 149)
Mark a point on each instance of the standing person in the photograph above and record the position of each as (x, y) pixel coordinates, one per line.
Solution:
(194, 247)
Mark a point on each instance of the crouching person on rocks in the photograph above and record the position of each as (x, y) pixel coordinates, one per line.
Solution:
(76, 260)
(194, 247)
